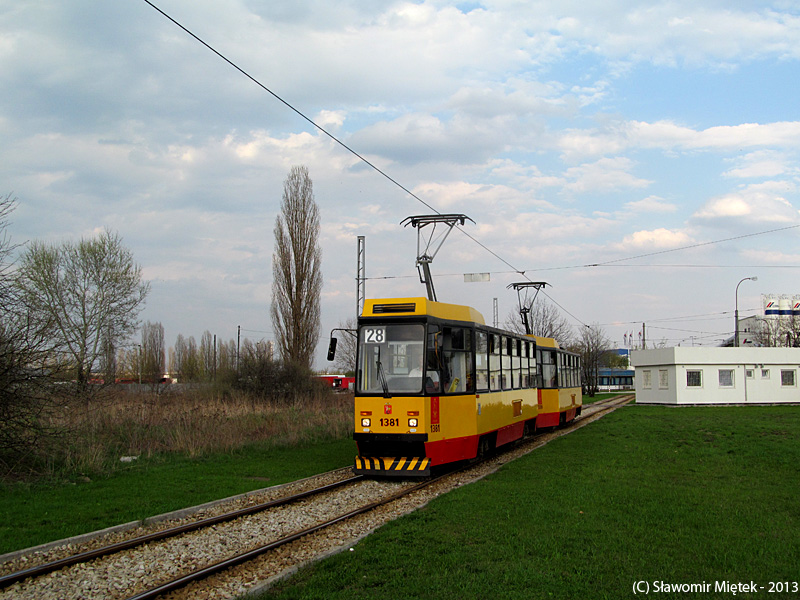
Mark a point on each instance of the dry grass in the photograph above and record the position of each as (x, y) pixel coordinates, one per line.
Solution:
(191, 422)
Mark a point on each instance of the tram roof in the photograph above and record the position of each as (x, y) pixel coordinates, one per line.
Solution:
(399, 307)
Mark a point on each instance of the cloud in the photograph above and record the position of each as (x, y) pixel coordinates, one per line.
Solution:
(656, 239)
(651, 204)
(619, 136)
(761, 164)
(606, 174)
(755, 203)
(525, 116)
(679, 32)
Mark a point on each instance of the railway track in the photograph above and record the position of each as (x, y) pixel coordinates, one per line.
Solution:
(256, 544)
(88, 555)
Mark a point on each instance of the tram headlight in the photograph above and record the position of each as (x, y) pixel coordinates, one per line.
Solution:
(412, 422)
(366, 422)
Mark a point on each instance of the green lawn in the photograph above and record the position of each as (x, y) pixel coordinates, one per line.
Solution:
(687, 495)
(35, 514)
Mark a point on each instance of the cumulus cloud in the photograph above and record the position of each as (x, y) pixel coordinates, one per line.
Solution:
(656, 239)
(603, 175)
(620, 136)
(755, 203)
(651, 204)
(761, 164)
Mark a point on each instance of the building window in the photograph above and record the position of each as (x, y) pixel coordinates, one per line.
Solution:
(749, 373)
(663, 379)
(764, 373)
(694, 378)
(647, 379)
(787, 378)
(726, 378)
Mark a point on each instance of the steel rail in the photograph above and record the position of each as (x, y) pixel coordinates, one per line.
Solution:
(55, 565)
(256, 552)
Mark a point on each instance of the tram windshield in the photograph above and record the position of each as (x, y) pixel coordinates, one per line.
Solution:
(390, 358)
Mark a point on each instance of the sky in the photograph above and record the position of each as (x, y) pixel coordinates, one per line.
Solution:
(641, 158)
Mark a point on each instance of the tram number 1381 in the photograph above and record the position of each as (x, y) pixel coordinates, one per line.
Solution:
(390, 422)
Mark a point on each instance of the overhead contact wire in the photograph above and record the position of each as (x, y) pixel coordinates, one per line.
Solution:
(292, 108)
(338, 141)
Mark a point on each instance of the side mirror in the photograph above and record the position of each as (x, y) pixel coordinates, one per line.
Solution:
(332, 348)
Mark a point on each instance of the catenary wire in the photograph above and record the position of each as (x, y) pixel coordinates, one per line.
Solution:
(342, 144)
(521, 272)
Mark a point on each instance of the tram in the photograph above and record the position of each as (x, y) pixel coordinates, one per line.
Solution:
(435, 385)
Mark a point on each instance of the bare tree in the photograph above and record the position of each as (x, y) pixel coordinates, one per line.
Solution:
(592, 345)
(152, 352)
(82, 295)
(186, 361)
(26, 391)
(208, 359)
(108, 359)
(783, 332)
(128, 363)
(297, 271)
(226, 359)
(545, 321)
(345, 361)
(177, 356)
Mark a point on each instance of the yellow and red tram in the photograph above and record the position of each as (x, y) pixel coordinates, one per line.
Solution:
(436, 385)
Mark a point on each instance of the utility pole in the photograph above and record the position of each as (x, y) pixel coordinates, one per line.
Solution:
(644, 338)
(361, 277)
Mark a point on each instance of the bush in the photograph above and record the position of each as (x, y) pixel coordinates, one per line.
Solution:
(279, 382)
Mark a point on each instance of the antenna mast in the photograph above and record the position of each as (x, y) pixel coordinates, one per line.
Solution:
(425, 256)
(524, 305)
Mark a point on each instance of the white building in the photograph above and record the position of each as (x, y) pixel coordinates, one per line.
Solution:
(778, 325)
(702, 375)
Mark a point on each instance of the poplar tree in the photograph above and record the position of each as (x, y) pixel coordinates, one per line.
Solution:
(297, 271)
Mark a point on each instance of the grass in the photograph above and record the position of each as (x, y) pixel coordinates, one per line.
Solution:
(32, 514)
(677, 495)
(604, 396)
(201, 422)
(192, 447)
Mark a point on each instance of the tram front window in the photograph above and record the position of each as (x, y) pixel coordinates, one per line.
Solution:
(390, 358)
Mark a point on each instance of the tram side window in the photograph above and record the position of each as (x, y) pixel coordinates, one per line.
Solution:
(548, 368)
(433, 360)
(576, 372)
(495, 382)
(559, 370)
(505, 362)
(481, 360)
(539, 362)
(564, 370)
(523, 359)
(566, 373)
(457, 375)
(570, 370)
(532, 380)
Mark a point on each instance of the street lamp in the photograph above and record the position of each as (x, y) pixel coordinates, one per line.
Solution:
(736, 312)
